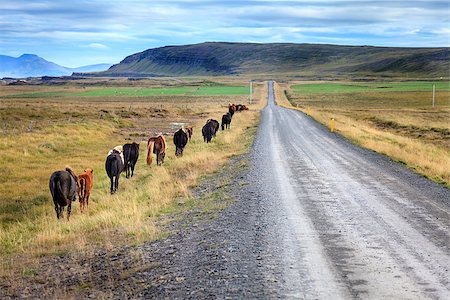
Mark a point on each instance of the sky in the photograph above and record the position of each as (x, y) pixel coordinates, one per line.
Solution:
(75, 33)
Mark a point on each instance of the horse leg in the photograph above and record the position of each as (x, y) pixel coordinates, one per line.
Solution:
(117, 183)
(132, 169)
(87, 201)
(112, 184)
(57, 211)
(69, 209)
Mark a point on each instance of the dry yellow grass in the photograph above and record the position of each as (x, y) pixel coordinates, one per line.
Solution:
(416, 136)
(29, 227)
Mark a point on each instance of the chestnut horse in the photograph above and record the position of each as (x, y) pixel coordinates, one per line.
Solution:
(156, 145)
(85, 181)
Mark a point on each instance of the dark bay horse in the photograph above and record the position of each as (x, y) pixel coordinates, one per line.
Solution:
(226, 121)
(158, 146)
(130, 155)
(114, 165)
(214, 126)
(180, 139)
(209, 130)
(63, 187)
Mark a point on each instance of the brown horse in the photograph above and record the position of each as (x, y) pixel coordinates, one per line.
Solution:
(231, 109)
(85, 181)
(189, 131)
(156, 145)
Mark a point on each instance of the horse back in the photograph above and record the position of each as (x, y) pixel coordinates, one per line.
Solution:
(114, 165)
(63, 187)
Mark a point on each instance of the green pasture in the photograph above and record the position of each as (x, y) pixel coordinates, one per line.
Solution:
(369, 87)
(140, 92)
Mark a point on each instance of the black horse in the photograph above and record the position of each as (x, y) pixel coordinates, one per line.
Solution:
(114, 165)
(180, 139)
(209, 130)
(226, 121)
(215, 126)
(63, 187)
(130, 155)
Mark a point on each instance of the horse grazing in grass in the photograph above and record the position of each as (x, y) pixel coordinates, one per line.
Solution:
(85, 181)
(114, 165)
(231, 109)
(180, 139)
(63, 187)
(131, 155)
(158, 146)
(241, 107)
(189, 131)
(226, 121)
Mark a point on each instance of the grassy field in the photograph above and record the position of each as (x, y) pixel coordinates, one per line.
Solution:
(137, 92)
(330, 87)
(393, 118)
(69, 130)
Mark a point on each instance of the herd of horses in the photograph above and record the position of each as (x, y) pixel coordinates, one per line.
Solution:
(65, 185)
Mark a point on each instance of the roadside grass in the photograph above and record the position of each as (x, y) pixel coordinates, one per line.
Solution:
(400, 124)
(28, 224)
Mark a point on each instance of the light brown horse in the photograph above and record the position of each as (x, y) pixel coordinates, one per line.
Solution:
(189, 131)
(156, 145)
(85, 181)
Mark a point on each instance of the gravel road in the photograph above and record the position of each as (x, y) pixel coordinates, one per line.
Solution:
(313, 217)
(318, 218)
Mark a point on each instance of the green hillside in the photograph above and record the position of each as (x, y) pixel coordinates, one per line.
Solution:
(250, 58)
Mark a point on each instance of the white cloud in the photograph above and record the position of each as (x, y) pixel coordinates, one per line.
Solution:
(97, 46)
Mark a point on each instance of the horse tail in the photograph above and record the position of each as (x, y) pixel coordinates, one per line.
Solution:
(58, 186)
(82, 190)
(150, 146)
(163, 144)
(74, 176)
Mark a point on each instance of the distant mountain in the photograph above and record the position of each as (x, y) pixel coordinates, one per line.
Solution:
(30, 65)
(217, 58)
